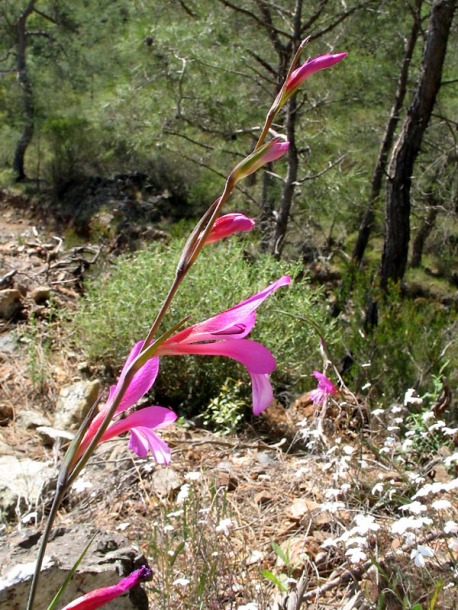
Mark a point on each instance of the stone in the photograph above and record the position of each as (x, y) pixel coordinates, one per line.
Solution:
(165, 482)
(8, 344)
(108, 559)
(41, 294)
(22, 482)
(10, 303)
(74, 402)
(30, 420)
(50, 436)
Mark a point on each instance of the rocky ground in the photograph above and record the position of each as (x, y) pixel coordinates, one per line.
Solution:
(305, 511)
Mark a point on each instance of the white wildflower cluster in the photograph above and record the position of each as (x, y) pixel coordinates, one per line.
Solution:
(340, 458)
(357, 539)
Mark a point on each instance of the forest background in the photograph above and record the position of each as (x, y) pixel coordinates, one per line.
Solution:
(169, 95)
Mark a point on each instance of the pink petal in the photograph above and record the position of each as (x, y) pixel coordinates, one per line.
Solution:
(271, 151)
(262, 392)
(99, 597)
(255, 357)
(310, 67)
(142, 381)
(143, 440)
(227, 225)
(234, 323)
(149, 417)
(325, 384)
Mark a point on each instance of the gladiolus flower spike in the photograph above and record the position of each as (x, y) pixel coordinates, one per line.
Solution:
(222, 335)
(99, 597)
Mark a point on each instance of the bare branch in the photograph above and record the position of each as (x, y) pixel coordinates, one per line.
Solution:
(187, 10)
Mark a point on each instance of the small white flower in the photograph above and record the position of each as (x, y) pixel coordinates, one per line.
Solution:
(378, 412)
(249, 606)
(80, 485)
(168, 528)
(453, 544)
(411, 399)
(193, 476)
(404, 523)
(176, 513)
(437, 426)
(427, 416)
(329, 542)
(451, 459)
(348, 449)
(356, 555)
(183, 493)
(409, 538)
(378, 488)
(414, 507)
(396, 409)
(224, 526)
(418, 555)
(332, 507)
(332, 493)
(450, 527)
(181, 582)
(441, 504)
(366, 524)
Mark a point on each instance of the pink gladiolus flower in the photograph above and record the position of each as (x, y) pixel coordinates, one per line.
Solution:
(99, 597)
(221, 335)
(224, 335)
(267, 153)
(140, 423)
(325, 388)
(227, 225)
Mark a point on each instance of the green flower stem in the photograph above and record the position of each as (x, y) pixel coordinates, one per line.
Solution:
(279, 102)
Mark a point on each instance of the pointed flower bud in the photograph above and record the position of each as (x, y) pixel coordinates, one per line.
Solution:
(227, 225)
(267, 153)
(308, 68)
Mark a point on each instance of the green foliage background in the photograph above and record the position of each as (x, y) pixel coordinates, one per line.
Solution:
(120, 307)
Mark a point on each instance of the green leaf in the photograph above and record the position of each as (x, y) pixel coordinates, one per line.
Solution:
(281, 554)
(437, 590)
(59, 593)
(277, 582)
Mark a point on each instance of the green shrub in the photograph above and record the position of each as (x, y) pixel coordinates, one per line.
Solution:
(413, 342)
(120, 306)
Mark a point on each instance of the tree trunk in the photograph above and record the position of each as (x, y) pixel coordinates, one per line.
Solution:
(27, 95)
(267, 210)
(367, 222)
(292, 159)
(423, 232)
(407, 147)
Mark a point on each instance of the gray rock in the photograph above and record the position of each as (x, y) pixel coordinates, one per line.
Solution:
(50, 435)
(41, 294)
(29, 420)
(165, 482)
(74, 403)
(21, 483)
(8, 344)
(10, 303)
(107, 561)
